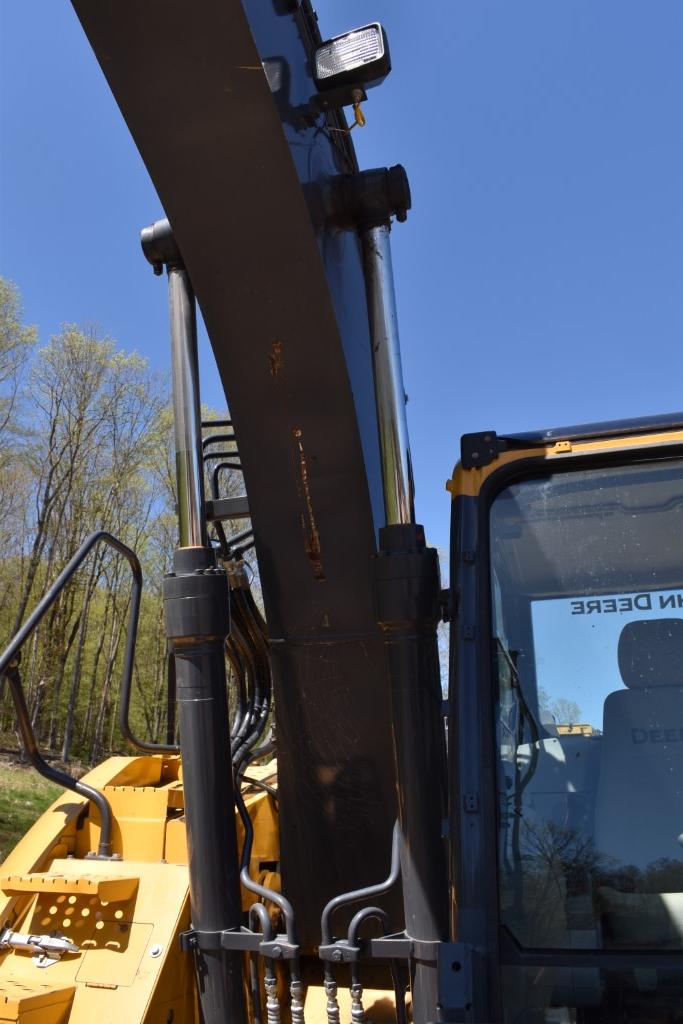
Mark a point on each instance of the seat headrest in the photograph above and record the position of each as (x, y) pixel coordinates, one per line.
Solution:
(651, 653)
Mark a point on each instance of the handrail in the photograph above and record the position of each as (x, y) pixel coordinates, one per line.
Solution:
(9, 668)
(146, 746)
(11, 674)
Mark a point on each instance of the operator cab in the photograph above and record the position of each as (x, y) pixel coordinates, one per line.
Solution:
(581, 566)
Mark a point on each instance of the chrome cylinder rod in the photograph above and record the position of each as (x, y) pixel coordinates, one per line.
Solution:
(389, 391)
(186, 410)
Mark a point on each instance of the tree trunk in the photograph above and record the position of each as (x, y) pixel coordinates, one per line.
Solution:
(114, 638)
(78, 660)
(93, 675)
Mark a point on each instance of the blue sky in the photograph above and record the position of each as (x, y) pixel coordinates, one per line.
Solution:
(540, 274)
(576, 653)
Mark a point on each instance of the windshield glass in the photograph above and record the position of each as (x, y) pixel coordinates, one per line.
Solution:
(587, 588)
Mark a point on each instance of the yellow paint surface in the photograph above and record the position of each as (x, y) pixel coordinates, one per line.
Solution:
(107, 887)
(124, 915)
(468, 482)
(37, 1001)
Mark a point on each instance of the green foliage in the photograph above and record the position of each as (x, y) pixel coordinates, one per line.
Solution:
(16, 342)
(24, 795)
(86, 443)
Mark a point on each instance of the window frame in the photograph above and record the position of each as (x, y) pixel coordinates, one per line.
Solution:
(472, 687)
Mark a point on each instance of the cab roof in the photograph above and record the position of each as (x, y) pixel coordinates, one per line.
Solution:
(610, 428)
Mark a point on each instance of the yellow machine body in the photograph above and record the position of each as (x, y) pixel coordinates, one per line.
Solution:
(469, 482)
(125, 915)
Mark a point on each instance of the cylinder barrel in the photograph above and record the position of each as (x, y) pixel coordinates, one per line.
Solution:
(197, 622)
(407, 577)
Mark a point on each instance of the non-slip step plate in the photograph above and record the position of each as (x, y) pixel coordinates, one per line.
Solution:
(112, 888)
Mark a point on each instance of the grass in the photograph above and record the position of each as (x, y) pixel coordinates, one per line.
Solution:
(24, 795)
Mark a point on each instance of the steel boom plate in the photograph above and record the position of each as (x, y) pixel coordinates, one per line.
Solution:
(241, 176)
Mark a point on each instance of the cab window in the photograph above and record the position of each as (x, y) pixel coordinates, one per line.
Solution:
(587, 609)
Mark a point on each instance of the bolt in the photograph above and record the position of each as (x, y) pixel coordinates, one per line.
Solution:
(277, 951)
(337, 955)
(156, 951)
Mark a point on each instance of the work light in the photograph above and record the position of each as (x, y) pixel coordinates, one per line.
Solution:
(356, 59)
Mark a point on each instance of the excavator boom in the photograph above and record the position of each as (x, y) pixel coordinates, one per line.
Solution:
(242, 172)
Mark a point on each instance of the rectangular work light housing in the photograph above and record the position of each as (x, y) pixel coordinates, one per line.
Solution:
(357, 59)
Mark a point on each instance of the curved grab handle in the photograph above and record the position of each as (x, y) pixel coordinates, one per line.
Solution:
(11, 674)
(9, 669)
(46, 602)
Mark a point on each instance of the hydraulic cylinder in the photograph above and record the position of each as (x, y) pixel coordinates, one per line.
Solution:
(196, 600)
(407, 580)
(407, 595)
(197, 610)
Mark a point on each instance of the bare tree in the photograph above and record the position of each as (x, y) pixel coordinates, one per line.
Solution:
(86, 439)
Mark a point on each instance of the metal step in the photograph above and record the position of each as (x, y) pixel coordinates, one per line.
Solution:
(34, 1001)
(113, 888)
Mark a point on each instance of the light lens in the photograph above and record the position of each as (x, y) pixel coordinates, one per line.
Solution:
(350, 51)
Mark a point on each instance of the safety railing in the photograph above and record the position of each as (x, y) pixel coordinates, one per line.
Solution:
(9, 669)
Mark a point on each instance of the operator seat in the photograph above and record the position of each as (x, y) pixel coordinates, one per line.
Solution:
(639, 799)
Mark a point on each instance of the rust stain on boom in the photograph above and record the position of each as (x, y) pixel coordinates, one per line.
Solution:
(311, 535)
(276, 359)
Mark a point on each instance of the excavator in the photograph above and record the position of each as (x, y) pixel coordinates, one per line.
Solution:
(330, 839)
